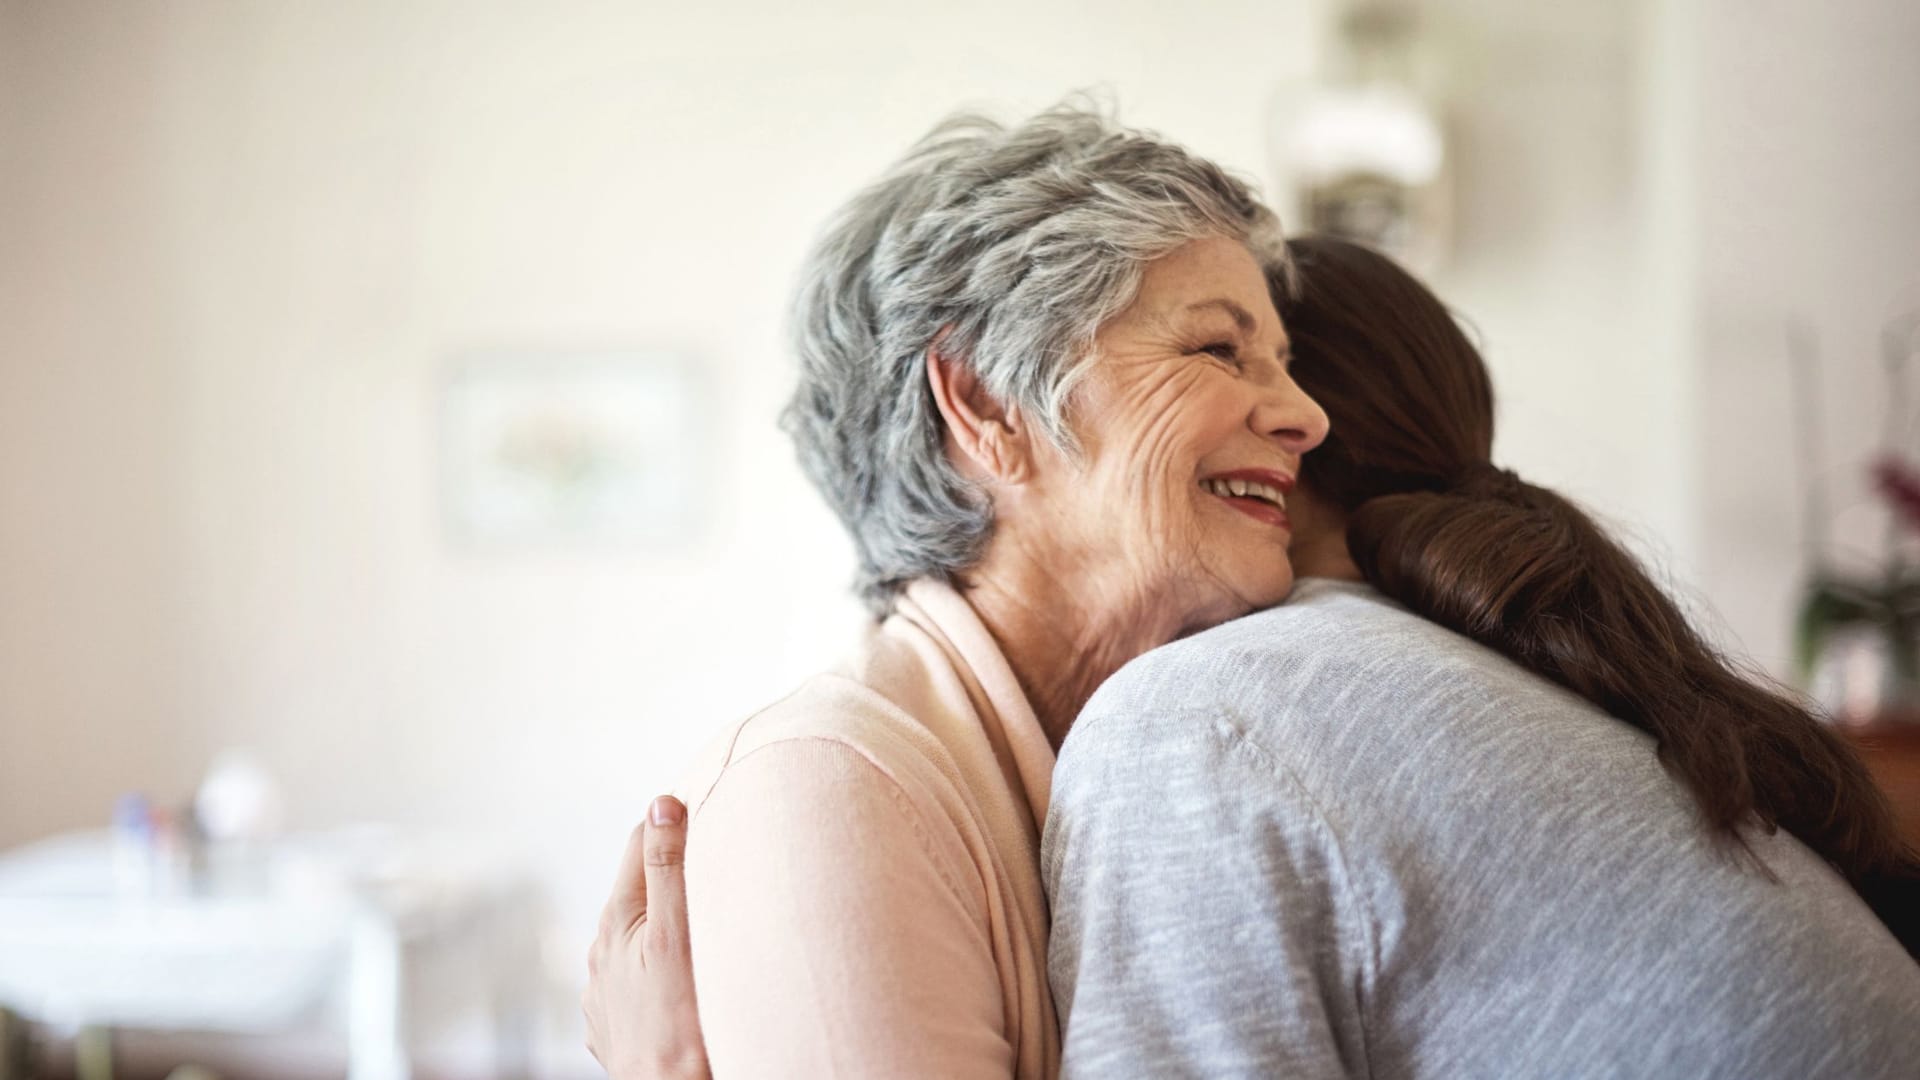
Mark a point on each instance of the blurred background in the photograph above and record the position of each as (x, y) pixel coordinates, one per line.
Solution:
(388, 389)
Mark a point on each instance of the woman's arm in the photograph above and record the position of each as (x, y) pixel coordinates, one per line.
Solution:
(837, 929)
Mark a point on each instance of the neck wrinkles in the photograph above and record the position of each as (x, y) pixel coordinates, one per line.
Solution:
(1062, 643)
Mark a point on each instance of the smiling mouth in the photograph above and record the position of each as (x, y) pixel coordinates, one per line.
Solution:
(1263, 501)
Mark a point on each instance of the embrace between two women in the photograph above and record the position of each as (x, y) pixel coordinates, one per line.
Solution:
(1476, 800)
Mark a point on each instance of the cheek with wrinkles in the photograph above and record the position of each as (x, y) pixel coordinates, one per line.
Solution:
(1152, 476)
(1153, 423)
(1154, 418)
(1149, 464)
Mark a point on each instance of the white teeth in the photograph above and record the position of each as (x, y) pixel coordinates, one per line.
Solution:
(1247, 489)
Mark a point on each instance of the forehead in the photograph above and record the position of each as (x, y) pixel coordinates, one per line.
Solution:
(1207, 280)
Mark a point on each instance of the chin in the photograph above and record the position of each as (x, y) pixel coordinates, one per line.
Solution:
(1260, 577)
(1246, 592)
(1270, 593)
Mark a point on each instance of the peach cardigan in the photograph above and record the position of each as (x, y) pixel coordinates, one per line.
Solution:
(863, 866)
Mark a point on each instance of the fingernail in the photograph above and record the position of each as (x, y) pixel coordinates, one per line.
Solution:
(666, 810)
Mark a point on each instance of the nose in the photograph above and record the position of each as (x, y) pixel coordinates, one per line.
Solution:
(1287, 415)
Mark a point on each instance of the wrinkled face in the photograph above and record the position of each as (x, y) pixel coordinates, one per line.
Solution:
(1191, 433)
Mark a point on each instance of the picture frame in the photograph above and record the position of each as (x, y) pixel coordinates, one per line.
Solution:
(571, 449)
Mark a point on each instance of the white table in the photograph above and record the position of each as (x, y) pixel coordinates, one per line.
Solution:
(328, 926)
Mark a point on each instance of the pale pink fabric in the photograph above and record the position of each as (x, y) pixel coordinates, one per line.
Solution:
(863, 867)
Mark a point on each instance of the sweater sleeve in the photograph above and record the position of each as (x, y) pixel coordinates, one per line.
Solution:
(1203, 924)
(836, 931)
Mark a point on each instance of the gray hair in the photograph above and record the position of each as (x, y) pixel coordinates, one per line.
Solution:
(1013, 246)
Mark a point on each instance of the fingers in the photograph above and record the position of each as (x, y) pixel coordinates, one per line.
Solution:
(651, 876)
(666, 885)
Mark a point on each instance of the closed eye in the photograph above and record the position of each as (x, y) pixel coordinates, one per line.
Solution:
(1224, 350)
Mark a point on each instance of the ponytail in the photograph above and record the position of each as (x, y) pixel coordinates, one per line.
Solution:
(1518, 568)
(1526, 573)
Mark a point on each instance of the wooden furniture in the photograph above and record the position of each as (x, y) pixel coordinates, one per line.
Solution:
(1891, 749)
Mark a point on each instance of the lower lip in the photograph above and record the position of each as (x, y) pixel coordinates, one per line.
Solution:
(1258, 509)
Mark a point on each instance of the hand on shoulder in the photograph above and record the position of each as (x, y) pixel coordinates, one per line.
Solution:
(642, 1020)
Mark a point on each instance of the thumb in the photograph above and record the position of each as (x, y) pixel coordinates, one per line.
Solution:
(666, 884)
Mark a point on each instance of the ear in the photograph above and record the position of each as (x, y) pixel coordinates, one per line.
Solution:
(987, 440)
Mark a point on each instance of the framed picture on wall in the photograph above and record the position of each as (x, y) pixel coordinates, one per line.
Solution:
(571, 449)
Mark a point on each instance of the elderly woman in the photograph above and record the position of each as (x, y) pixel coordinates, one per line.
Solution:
(1044, 386)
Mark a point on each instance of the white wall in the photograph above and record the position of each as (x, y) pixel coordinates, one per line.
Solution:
(1807, 166)
(1557, 200)
(246, 240)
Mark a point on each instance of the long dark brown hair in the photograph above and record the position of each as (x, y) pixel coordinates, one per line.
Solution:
(1522, 570)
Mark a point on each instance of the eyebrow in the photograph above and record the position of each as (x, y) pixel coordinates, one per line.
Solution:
(1241, 316)
(1245, 321)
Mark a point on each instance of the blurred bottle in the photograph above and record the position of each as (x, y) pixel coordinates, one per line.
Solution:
(133, 846)
(169, 860)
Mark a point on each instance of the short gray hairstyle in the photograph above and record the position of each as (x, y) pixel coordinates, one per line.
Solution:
(1017, 243)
